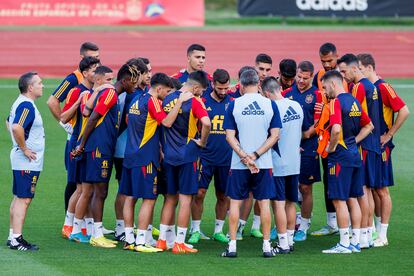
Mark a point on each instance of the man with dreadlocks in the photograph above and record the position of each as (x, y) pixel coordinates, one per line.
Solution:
(128, 78)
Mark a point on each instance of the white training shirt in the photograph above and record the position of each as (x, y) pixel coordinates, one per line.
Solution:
(25, 113)
(286, 152)
(252, 115)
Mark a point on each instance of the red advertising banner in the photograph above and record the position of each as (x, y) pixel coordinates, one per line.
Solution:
(102, 12)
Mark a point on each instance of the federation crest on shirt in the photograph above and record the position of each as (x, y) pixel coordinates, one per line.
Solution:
(309, 98)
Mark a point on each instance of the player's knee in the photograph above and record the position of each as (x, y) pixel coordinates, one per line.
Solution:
(305, 189)
(201, 194)
(383, 192)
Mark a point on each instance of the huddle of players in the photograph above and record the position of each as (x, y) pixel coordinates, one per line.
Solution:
(121, 124)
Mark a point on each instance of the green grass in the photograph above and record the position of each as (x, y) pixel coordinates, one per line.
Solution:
(59, 256)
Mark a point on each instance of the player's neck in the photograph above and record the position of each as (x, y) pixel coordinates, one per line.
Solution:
(250, 90)
(190, 69)
(87, 83)
(30, 96)
(304, 89)
(358, 76)
(373, 77)
(142, 86)
(214, 96)
(118, 87)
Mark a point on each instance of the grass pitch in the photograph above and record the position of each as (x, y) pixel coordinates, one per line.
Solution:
(58, 256)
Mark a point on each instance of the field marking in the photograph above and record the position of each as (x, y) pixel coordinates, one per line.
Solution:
(9, 86)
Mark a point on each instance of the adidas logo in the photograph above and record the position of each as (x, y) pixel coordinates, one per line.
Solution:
(169, 230)
(290, 115)
(355, 112)
(253, 109)
(141, 235)
(181, 233)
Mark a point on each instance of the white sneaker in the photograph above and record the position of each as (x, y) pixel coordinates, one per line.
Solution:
(106, 231)
(380, 242)
(338, 249)
(364, 244)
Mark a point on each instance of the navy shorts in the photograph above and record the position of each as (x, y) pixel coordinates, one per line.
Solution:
(344, 182)
(98, 169)
(310, 171)
(387, 176)
(242, 182)
(24, 183)
(371, 164)
(181, 179)
(139, 182)
(286, 188)
(220, 173)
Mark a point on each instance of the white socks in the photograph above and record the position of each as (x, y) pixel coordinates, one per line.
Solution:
(344, 236)
(10, 234)
(181, 233)
(148, 235)
(171, 234)
(119, 227)
(256, 222)
(97, 230)
(163, 232)
(129, 235)
(89, 226)
(383, 232)
(364, 237)
(77, 225)
(331, 220)
(218, 226)
(14, 237)
(69, 218)
(140, 240)
(195, 225)
(355, 236)
(266, 246)
(304, 224)
(283, 240)
(232, 246)
(290, 234)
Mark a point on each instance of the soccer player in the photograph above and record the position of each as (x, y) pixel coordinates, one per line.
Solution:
(350, 124)
(256, 122)
(392, 103)
(307, 96)
(148, 76)
(181, 148)
(263, 65)
(196, 59)
(125, 78)
(215, 159)
(235, 91)
(87, 49)
(28, 137)
(369, 98)
(286, 163)
(328, 56)
(71, 113)
(142, 155)
(97, 144)
(287, 73)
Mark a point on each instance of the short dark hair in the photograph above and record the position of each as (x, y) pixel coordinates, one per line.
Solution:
(245, 68)
(145, 60)
(366, 59)
(176, 83)
(25, 80)
(195, 47)
(88, 46)
(332, 74)
(87, 62)
(102, 70)
(327, 48)
(139, 64)
(287, 68)
(161, 79)
(270, 84)
(199, 77)
(249, 77)
(348, 59)
(306, 66)
(264, 58)
(221, 76)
